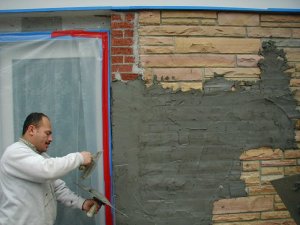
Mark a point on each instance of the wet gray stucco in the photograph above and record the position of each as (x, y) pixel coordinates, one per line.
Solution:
(175, 153)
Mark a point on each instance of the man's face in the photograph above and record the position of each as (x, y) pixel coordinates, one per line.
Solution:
(42, 135)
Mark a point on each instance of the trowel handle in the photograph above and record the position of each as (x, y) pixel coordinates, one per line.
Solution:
(92, 210)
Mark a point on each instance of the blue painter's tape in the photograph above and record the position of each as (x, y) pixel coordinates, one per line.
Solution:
(134, 8)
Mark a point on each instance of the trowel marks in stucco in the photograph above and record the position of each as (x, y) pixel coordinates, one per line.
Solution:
(174, 154)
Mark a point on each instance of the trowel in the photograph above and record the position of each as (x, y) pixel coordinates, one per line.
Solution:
(100, 198)
(87, 170)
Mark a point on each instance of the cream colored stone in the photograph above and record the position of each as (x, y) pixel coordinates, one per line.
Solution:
(292, 153)
(235, 217)
(280, 18)
(262, 153)
(156, 41)
(248, 60)
(216, 45)
(269, 32)
(272, 171)
(261, 190)
(251, 178)
(149, 17)
(180, 21)
(234, 73)
(182, 86)
(272, 24)
(188, 60)
(179, 74)
(275, 215)
(214, 31)
(156, 50)
(189, 14)
(238, 19)
(292, 170)
(244, 204)
(251, 165)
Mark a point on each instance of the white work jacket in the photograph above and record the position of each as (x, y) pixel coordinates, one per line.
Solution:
(30, 188)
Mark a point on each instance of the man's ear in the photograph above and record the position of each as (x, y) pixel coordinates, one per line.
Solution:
(31, 130)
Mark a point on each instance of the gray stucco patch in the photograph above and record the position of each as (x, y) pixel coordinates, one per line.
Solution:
(174, 154)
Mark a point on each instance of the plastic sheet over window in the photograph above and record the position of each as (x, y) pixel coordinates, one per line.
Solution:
(61, 77)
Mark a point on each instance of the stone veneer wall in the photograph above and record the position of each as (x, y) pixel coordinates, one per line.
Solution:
(184, 50)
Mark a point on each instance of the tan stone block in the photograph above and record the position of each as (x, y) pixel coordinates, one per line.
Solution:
(189, 14)
(295, 33)
(261, 190)
(248, 60)
(280, 18)
(234, 73)
(292, 170)
(297, 67)
(180, 21)
(272, 24)
(182, 86)
(265, 179)
(277, 199)
(275, 215)
(261, 154)
(156, 41)
(251, 166)
(238, 19)
(268, 32)
(244, 204)
(283, 162)
(279, 206)
(179, 74)
(272, 171)
(251, 178)
(295, 82)
(292, 54)
(156, 50)
(216, 45)
(288, 154)
(182, 30)
(208, 21)
(236, 217)
(149, 17)
(188, 60)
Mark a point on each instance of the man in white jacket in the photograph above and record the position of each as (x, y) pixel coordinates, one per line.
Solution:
(29, 179)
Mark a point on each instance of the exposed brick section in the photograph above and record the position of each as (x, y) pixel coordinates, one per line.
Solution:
(122, 41)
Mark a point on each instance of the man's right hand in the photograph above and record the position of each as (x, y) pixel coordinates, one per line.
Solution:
(87, 156)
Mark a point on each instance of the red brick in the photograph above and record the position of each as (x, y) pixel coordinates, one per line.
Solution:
(117, 33)
(117, 59)
(128, 33)
(129, 17)
(116, 17)
(129, 59)
(121, 51)
(122, 68)
(122, 42)
(129, 76)
(121, 25)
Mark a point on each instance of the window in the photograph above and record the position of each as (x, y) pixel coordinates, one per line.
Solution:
(64, 75)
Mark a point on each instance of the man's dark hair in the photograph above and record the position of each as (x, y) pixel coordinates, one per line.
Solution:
(33, 119)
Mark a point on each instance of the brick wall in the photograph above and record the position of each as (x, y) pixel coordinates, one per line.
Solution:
(186, 49)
